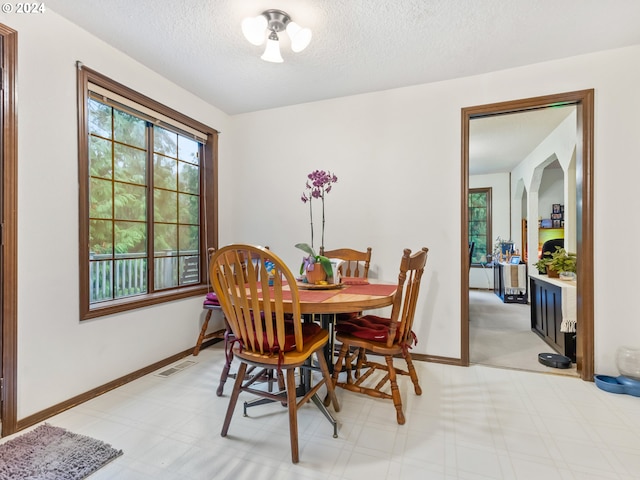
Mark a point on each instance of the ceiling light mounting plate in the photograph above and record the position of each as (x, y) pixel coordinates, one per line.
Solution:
(277, 20)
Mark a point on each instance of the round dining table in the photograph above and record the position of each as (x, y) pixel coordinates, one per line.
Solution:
(344, 298)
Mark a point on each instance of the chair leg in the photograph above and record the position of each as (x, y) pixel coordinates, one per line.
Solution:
(234, 398)
(395, 391)
(412, 373)
(203, 331)
(293, 414)
(344, 351)
(362, 360)
(228, 352)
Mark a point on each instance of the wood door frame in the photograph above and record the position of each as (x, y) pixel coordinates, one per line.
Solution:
(9, 267)
(584, 102)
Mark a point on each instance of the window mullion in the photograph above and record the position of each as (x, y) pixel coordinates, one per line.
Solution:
(151, 254)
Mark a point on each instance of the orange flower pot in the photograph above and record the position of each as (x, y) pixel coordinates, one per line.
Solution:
(316, 273)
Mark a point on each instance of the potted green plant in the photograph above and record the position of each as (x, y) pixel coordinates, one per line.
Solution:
(309, 263)
(559, 261)
(541, 265)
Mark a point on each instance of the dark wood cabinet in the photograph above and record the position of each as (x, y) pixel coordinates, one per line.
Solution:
(546, 317)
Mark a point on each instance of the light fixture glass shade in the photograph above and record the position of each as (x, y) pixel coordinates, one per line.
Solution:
(272, 52)
(300, 37)
(254, 29)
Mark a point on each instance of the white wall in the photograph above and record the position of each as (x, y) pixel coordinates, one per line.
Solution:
(396, 152)
(548, 175)
(551, 191)
(58, 356)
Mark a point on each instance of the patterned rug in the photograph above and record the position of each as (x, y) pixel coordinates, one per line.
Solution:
(53, 453)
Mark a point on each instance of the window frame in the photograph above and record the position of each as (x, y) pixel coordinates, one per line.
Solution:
(208, 200)
(489, 219)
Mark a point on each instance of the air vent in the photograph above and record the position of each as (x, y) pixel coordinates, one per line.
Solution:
(175, 369)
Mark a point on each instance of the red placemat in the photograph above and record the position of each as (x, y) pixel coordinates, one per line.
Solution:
(371, 289)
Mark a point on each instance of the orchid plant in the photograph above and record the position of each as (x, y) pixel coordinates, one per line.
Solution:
(319, 183)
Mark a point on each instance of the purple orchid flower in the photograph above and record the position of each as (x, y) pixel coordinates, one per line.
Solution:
(319, 183)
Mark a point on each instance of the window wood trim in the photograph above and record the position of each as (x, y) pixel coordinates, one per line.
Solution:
(209, 210)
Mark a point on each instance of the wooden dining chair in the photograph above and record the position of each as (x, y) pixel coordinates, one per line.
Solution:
(355, 263)
(354, 268)
(209, 305)
(265, 336)
(387, 337)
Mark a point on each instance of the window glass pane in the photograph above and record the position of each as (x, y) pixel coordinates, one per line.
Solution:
(130, 202)
(166, 272)
(190, 268)
(165, 238)
(130, 277)
(189, 239)
(165, 206)
(165, 172)
(189, 209)
(479, 226)
(100, 284)
(165, 142)
(130, 165)
(128, 129)
(100, 237)
(100, 157)
(189, 176)
(131, 237)
(188, 150)
(100, 198)
(99, 118)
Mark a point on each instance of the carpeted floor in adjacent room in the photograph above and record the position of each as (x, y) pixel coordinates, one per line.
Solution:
(500, 335)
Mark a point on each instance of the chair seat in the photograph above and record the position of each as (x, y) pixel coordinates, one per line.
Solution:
(380, 348)
(314, 338)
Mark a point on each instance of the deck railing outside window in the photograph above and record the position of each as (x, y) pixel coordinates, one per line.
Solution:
(125, 275)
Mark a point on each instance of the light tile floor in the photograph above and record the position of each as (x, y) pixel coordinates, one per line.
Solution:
(470, 423)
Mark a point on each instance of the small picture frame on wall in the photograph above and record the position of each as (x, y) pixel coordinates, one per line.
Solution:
(556, 208)
(557, 223)
(556, 216)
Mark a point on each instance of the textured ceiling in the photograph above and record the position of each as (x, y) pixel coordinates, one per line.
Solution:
(358, 46)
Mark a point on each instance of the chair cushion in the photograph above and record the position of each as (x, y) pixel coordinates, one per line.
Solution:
(369, 327)
(309, 329)
(212, 299)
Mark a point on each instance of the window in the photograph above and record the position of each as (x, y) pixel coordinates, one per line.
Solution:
(147, 199)
(480, 223)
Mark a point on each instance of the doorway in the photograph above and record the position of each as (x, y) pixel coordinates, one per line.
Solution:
(8, 211)
(583, 101)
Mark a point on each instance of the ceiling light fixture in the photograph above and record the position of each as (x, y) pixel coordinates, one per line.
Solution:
(274, 21)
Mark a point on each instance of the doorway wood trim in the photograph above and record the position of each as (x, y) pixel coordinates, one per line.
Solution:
(9, 268)
(584, 101)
